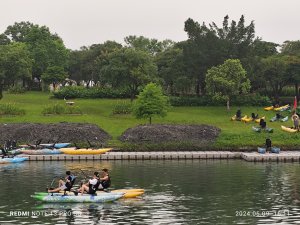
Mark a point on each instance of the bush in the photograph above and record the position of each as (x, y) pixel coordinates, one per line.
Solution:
(16, 90)
(95, 92)
(122, 107)
(11, 109)
(59, 109)
(247, 100)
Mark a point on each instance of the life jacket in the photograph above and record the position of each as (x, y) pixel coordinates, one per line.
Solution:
(106, 183)
(70, 184)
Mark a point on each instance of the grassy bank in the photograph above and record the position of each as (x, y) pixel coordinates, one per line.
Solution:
(99, 111)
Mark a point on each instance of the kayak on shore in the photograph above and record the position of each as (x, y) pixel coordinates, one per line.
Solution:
(84, 151)
(45, 151)
(12, 160)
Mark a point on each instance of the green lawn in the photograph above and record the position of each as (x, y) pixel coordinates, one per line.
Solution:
(99, 111)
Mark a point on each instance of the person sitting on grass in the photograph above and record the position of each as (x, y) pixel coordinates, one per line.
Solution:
(278, 116)
(253, 116)
(64, 185)
(238, 114)
(262, 123)
(91, 186)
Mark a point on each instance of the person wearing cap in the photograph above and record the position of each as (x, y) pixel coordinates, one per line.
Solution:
(64, 184)
(91, 186)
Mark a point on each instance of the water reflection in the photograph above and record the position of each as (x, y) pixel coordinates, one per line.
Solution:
(177, 192)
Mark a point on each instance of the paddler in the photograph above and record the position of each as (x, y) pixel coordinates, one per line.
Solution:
(91, 186)
(64, 184)
(104, 179)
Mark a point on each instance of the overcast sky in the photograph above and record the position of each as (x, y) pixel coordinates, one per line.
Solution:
(85, 22)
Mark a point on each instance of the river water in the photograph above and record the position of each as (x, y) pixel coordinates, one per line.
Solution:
(177, 192)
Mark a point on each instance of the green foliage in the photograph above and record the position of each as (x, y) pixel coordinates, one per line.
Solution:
(16, 89)
(151, 102)
(11, 109)
(54, 74)
(245, 100)
(58, 109)
(95, 92)
(227, 80)
(129, 68)
(122, 107)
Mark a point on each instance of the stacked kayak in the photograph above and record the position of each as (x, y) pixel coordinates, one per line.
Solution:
(261, 150)
(12, 160)
(56, 145)
(84, 151)
(284, 119)
(246, 119)
(127, 193)
(287, 129)
(99, 198)
(45, 151)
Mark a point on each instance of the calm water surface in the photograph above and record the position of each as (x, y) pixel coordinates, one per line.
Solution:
(177, 192)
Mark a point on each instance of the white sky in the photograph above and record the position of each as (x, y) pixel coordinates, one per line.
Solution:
(86, 22)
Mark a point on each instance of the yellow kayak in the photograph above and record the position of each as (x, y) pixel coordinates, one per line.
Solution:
(281, 107)
(291, 130)
(258, 120)
(233, 117)
(84, 151)
(269, 108)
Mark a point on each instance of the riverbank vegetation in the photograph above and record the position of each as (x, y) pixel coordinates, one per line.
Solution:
(234, 134)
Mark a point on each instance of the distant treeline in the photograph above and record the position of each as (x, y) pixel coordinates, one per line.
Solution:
(30, 53)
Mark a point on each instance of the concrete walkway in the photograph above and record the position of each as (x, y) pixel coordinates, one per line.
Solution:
(286, 156)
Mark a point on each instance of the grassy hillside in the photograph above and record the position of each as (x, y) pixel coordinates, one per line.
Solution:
(99, 111)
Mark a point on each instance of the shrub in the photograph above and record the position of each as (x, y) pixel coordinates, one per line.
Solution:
(16, 90)
(11, 109)
(245, 100)
(59, 109)
(122, 107)
(95, 92)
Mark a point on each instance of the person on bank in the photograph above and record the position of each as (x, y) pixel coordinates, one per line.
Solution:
(238, 114)
(104, 180)
(268, 144)
(64, 184)
(91, 186)
(295, 118)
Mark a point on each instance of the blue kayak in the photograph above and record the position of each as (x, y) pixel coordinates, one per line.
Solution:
(57, 145)
(261, 150)
(101, 198)
(13, 160)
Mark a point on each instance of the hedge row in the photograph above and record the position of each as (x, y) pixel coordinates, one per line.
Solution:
(95, 92)
(247, 100)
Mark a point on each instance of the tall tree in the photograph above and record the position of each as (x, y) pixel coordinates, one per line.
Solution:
(227, 80)
(129, 68)
(274, 72)
(54, 75)
(15, 63)
(151, 102)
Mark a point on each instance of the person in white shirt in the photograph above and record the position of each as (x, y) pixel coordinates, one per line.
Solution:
(91, 186)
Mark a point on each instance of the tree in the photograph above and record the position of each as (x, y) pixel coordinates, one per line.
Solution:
(15, 63)
(151, 102)
(291, 48)
(54, 75)
(274, 70)
(129, 68)
(227, 80)
(152, 46)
